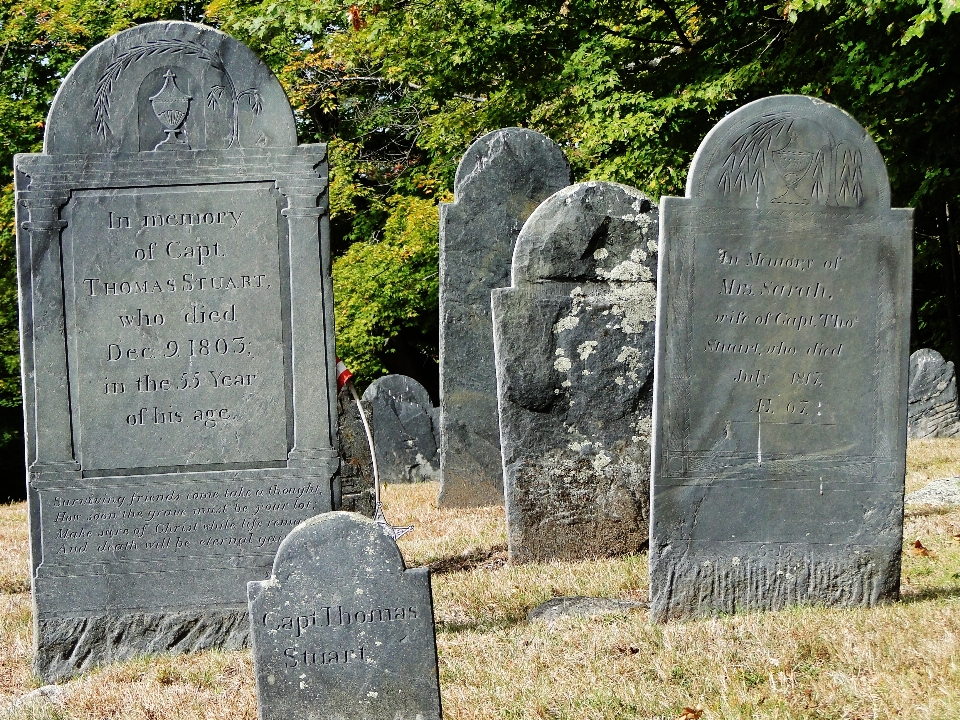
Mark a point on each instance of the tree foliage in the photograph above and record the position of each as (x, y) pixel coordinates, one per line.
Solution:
(628, 88)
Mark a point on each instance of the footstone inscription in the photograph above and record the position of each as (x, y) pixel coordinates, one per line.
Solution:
(574, 340)
(403, 429)
(781, 369)
(501, 179)
(174, 272)
(341, 630)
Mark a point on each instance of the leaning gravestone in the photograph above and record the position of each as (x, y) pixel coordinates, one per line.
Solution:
(404, 435)
(501, 179)
(932, 411)
(341, 630)
(353, 488)
(574, 339)
(177, 344)
(781, 376)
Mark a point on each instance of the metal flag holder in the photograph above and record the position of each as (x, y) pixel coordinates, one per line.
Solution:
(391, 531)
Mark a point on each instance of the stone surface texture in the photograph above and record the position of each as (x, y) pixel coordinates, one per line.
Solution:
(501, 179)
(942, 493)
(404, 434)
(353, 490)
(341, 630)
(574, 339)
(781, 369)
(933, 410)
(174, 271)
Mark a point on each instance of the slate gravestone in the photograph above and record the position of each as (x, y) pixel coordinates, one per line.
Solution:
(933, 410)
(501, 179)
(574, 340)
(404, 435)
(781, 369)
(353, 489)
(177, 344)
(341, 630)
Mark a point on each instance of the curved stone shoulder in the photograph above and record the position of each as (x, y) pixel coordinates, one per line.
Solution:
(399, 387)
(117, 98)
(510, 158)
(338, 539)
(789, 150)
(589, 232)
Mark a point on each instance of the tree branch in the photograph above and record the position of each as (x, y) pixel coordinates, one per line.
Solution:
(675, 21)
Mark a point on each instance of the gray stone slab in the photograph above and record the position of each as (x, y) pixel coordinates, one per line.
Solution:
(174, 270)
(781, 376)
(341, 630)
(579, 606)
(932, 411)
(404, 436)
(574, 341)
(501, 179)
(939, 493)
(353, 490)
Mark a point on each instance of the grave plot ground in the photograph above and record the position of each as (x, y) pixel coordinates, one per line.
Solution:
(898, 661)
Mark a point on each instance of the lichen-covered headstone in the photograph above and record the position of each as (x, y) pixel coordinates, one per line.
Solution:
(933, 410)
(501, 179)
(781, 371)
(341, 630)
(574, 339)
(177, 345)
(353, 489)
(403, 429)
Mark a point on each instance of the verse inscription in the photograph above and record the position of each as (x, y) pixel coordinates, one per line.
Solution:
(206, 518)
(177, 349)
(780, 330)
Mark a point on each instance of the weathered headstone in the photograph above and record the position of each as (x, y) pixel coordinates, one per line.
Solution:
(781, 376)
(404, 435)
(341, 630)
(933, 410)
(353, 489)
(177, 344)
(501, 179)
(574, 339)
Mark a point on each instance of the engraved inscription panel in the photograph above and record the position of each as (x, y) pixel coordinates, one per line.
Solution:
(174, 318)
(787, 336)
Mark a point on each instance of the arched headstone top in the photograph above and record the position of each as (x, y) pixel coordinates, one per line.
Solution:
(320, 537)
(508, 158)
(789, 151)
(589, 232)
(401, 388)
(169, 86)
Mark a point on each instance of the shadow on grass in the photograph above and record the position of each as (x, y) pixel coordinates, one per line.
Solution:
(482, 559)
(922, 510)
(911, 596)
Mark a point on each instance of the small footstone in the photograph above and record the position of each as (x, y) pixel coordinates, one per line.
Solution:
(574, 339)
(943, 492)
(579, 606)
(403, 431)
(932, 411)
(501, 179)
(341, 630)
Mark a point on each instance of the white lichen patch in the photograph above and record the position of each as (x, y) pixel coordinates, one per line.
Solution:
(567, 323)
(620, 380)
(601, 460)
(562, 363)
(600, 253)
(566, 383)
(586, 348)
(635, 302)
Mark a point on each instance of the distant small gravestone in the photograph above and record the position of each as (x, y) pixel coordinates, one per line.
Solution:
(404, 435)
(933, 410)
(341, 630)
(177, 345)
(353, 489)
(501, 179)
(574, 339)
(781, 370)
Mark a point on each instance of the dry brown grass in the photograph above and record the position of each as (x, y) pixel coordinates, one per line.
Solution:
(898, 661)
